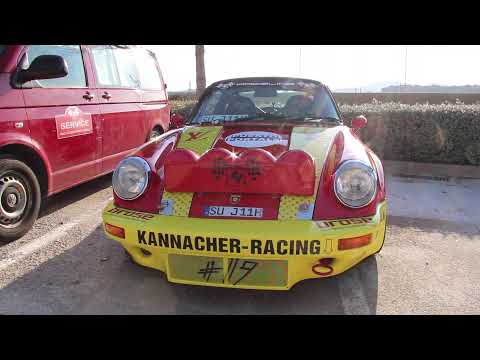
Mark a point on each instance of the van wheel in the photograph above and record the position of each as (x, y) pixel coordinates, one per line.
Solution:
(156, 132)
(20, 199)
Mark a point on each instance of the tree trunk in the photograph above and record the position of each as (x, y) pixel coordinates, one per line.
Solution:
(200, 62)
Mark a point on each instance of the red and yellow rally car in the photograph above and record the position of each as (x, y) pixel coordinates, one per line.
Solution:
(262, 188)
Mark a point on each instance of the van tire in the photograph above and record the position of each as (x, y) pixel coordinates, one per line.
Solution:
(19, 193)
(156, 131)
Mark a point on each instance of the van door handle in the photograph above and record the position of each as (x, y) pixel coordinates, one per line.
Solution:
(88, 96)
(106, 95)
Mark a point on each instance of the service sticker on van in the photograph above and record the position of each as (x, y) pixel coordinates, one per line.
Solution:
(73, 123)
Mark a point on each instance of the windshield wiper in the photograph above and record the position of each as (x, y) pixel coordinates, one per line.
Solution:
(316, 119)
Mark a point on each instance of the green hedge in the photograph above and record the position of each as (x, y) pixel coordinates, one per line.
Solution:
(445, 133)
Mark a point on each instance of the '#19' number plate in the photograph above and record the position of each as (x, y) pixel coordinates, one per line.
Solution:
(233, 211)
(228, 271)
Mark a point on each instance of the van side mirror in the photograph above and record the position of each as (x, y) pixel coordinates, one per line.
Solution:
(44, 67)
(359, 122)
(176, 120)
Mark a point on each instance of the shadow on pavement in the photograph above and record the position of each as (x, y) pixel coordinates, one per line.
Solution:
(95, 277)
(77, 193)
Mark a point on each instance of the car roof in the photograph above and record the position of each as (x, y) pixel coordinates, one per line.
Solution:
(266, 79)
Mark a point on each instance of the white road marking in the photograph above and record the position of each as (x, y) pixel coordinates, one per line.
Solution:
(35, 245)
(352, 294)
(45, 240)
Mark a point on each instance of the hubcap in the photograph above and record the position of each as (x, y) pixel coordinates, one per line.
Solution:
(13, 200)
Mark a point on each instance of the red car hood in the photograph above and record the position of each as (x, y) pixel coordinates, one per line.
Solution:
(250, 166)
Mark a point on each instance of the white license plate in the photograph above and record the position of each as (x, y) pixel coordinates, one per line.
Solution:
(233, 211)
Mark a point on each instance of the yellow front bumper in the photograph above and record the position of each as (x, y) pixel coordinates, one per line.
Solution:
(301, 242)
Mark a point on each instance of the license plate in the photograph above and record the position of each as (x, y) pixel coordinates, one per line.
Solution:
(229, 271)
(233, 211)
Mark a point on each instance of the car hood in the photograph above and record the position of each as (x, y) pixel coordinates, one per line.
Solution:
(249, 159)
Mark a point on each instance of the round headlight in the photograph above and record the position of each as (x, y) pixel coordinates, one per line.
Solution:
(355, 184)
(130, 178)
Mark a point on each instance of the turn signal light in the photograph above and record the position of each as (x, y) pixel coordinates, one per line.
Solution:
(115, 230)
(356, 242)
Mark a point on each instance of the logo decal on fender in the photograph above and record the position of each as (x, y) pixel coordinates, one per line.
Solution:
(73, 123)
(343, 222)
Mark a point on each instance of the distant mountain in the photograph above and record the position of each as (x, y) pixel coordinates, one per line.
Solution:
(373, 87)
(455, 89)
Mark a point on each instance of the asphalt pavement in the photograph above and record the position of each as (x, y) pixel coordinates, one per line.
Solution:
(428, 265)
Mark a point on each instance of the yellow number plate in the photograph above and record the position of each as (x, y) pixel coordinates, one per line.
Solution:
(231, 271)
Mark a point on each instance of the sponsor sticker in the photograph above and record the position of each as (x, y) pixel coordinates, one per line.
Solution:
(305, 211)
(131, 214)
(343, 222)
(73, 123)
(228, 245)
(166, 207)
(222, 117)
(255, 139)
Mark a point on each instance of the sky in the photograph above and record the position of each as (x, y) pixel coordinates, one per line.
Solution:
(338, 66)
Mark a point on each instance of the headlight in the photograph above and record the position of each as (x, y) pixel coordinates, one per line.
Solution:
(130, 178)
(355, 184)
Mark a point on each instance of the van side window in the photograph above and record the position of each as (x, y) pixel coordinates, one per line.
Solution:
(115, 67)
(73, 57)
(105, 66)
(127, 69)
(150, 78)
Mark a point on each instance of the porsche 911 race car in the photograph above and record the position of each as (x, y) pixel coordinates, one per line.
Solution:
(261, 188)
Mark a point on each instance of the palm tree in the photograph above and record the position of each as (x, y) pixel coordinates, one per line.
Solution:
(200, 62)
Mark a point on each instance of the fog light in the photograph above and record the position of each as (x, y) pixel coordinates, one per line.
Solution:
(115, 230)
(355, 242)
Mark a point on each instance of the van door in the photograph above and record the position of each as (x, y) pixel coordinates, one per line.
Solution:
(64, 117)
(124, 127)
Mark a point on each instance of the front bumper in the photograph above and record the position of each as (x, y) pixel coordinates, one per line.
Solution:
(301, 243)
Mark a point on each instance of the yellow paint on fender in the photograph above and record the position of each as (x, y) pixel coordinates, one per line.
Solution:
(199, 140)
(316, 142)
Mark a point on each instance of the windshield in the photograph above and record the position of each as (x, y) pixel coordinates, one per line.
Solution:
(288, 100)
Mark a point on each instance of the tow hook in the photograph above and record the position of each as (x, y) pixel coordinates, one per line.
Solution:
(323, 264)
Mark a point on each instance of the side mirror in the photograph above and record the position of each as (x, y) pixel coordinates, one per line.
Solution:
(359, 122)
(176, 120)
(44, 67)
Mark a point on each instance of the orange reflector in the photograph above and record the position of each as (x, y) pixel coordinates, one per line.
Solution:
(115, 230)
(356, 242)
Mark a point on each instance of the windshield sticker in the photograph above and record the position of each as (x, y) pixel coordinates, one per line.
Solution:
(254, 139)
(222, 117)
(73, 123)
(300, 84)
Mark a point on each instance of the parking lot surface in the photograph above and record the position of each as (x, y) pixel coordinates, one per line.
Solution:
(428, 265)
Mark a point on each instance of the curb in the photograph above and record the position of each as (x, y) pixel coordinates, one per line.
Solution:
(429, 170)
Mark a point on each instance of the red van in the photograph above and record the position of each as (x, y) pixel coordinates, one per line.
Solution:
(68, 114)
